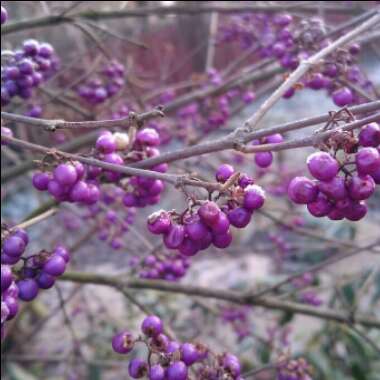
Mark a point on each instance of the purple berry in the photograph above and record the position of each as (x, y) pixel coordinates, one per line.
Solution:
(322, 166)
(361, 187)
(156, 372)
(367, 160)
(152, 326)
(106, 144)
(188, 247)
(13, 246)
(65, 174)
(224, 172)
(4, 15)
(254, 197)
(334, 189)
(45, 281)
(137, 368)
(28, 289)
(123, 342)
(12, 305)
(302, 190)
(222, 225)
(55, 265)
(175, 236)
(195, 229)
(320, 207)
(263, 159)
(6, 277)
(80, 192)
(231, 365)
(222, 240)
(343, 97)
(369, 135)
(148, 136)
(209, 213)
(356, 211)
(189, 353)
(177, 371)
(159, 222)
(239, 217)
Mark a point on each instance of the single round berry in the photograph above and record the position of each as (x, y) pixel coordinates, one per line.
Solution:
(254, 197)
(4, 15)
(335, 189)
(189, 353)
(123, 342)
(156, 372)
(80, 192)
(322, 166)
(175, 236)
(152, 326)
(222, 240)
(177, 371)
(264, 159)
(41, 181)
(6, 277)
(209, 213)
(55, 265)
(367, 160)
(302, 190)
(65, 174)
(239, 217)
(320, 207)
(137, 368)
(196, 229)
(28, 289)
(148, 136)
(356, 211)
(221, 226)
(224, 172)
(343, 97)
(361, 187)
(159, 222)
(45, 281)
(231, 365)
(106, 144)
(13, 246)
(369, 135)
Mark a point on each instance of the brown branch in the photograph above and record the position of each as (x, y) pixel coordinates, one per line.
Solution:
(225, 295)
(53, 125)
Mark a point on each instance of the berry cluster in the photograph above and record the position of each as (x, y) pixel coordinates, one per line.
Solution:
(67, 183)
(112, 226)
(170, 360)
(238, 318)
(143, 191)
(193, 231)
(27, 68)
(294, 369)
(338, 192)
(21, 278)
(105, 86)
(290, 40)
(167, 266)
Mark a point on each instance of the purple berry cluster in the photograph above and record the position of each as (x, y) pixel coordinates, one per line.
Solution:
(341, 186)
(167, 266)
(22, 282)
(238, 318)
(67, 182)
(107, 84)
(170, 360)
(294, 369)
(289, 40)
(27, 68)
(112, 225)
(207, 222)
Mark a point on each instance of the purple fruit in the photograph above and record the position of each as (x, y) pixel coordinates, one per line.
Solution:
(13, 246)
(320, 207)
(159, 222)
(152, 326)
(28, 289)
(222, 240)
(65, 174)
(123, 342)
(302, 190)
(322, 166)
(137, 368)
(343, 97)
(334, 189)
(361, 187)
(239, 217)
(177, 371)
(369, 135)
(55, 265)
(174, 237)
(224, 172)
(367, 160)
(254, 197)
(209, 213)
(263, 159)
(189, 353)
